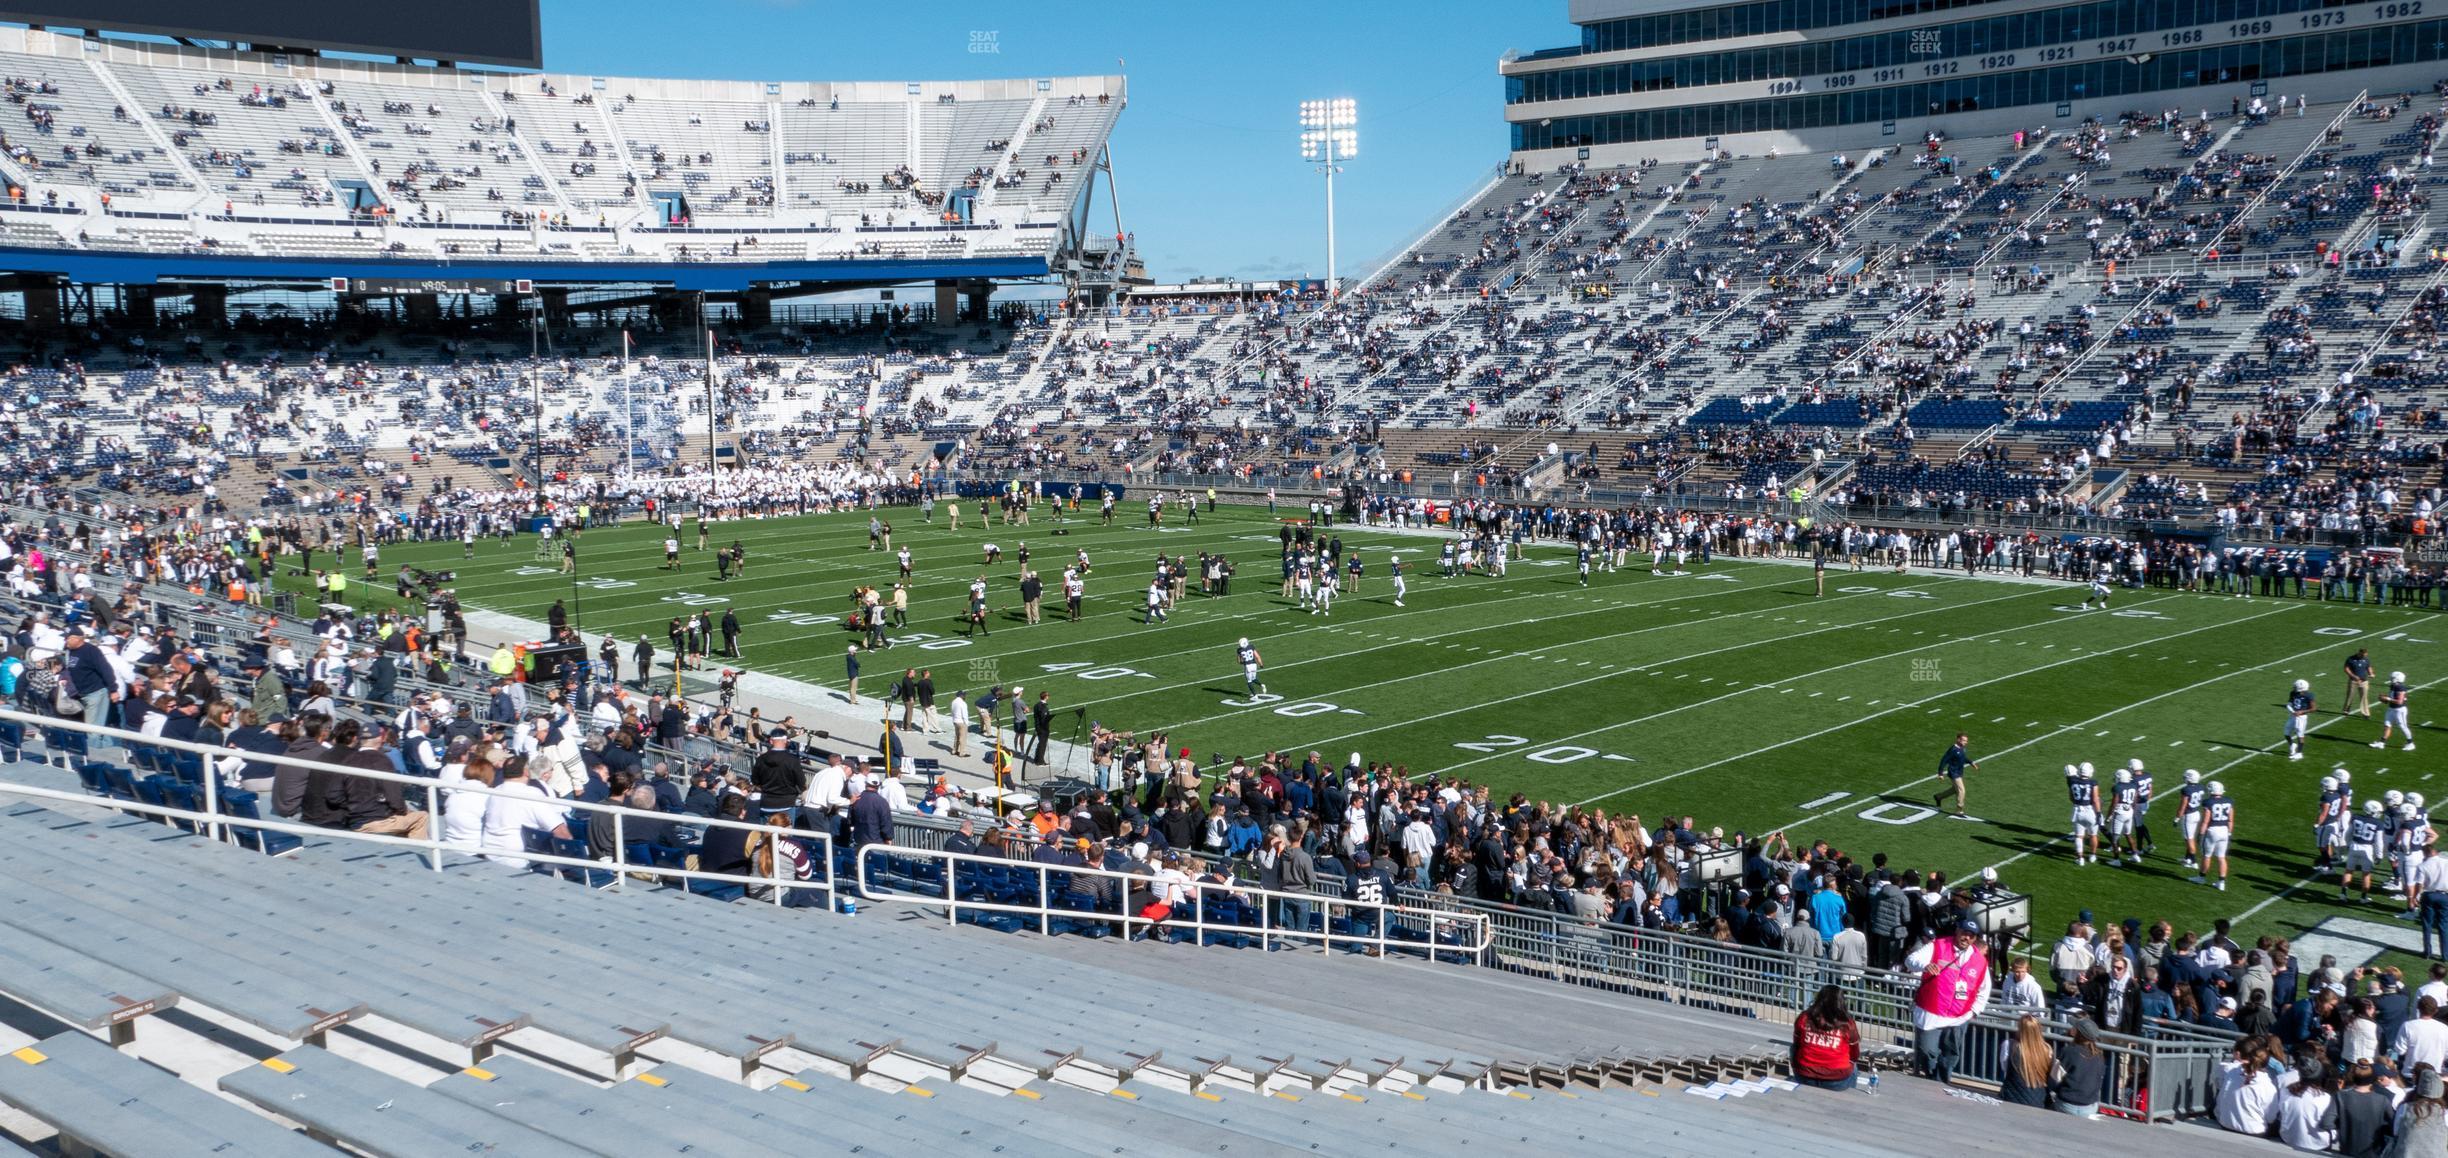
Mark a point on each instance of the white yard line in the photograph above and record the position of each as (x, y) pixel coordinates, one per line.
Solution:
(1657, 669)
(2213, 773)
(1128, 613)
(1505, 654)
(1910, 704)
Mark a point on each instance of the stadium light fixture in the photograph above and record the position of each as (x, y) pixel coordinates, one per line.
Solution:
(1330, 135)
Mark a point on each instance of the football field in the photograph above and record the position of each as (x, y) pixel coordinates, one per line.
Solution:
(1731, 694)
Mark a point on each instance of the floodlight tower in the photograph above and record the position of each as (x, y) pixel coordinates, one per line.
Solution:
(1330, 135)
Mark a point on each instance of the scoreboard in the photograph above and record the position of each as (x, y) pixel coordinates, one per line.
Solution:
(433, 285)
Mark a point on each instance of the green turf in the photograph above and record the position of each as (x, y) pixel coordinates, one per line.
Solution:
(1731, 694)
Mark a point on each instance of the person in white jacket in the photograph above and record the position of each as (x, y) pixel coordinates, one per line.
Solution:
(2301, 1107)
(828, 794)
(960, 723)
(2248, 1088)
(896, 794)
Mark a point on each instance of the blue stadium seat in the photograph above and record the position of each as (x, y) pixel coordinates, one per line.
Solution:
(119, 783)
(68, 747)
(180, 794)
(240, 806)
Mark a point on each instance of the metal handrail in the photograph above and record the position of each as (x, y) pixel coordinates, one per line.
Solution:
(2164, 1074)
(213, 820)
(1269, 904)
(2319, 141)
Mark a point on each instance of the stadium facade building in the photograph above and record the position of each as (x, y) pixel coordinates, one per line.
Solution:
(1672, 79)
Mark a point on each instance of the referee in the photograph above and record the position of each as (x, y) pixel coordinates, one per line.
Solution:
(1957, 761)
(2431, 889)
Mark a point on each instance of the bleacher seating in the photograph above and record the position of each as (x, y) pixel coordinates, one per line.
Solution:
(246, 151)
(1054, 1044)
(1887, 297)
(73, 131)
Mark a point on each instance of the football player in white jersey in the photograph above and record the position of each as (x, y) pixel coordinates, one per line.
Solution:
(2218, 828)
(2393, 713)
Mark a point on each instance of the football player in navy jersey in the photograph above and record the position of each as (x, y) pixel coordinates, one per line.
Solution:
(2189, 817)
(1394, 571)
(2393, 720)
(2146, 790)
(2083, 790)
(2366, 841)
(2124, 801)
(1251, 661)
(2299, 718)
(2099, 591)
(2218, 829)
(2406, 839)
(2329, 823)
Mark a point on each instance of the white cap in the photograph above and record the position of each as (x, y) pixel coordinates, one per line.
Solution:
(2086, 768)
(2328, 783)
(2124, 776)
(2393, 797)
(2415, 799)
(2396, 677)
(1244, 641)
(2192, 776)
(2373, 806)
(1138, 850)
(2135, 763)
(2303, 685)
(2217, 789)
(2344, 776)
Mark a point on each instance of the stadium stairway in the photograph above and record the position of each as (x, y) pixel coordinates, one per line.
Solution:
(377, 1004)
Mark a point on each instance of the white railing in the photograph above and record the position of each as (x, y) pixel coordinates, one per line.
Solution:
(1442, 934)
(1282, 917)
(213, 821)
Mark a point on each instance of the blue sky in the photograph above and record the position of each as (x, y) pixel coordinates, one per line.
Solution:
(1208, 155)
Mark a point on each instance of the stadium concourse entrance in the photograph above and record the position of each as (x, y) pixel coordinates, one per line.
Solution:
(368, 308)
